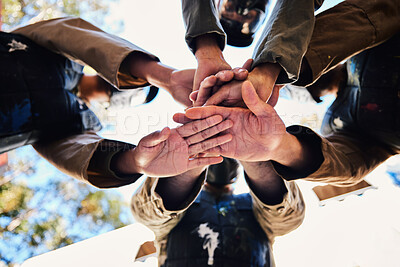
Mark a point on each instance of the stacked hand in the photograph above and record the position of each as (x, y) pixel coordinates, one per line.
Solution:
(227, 88)
(180, 85)
(172, 151)
(257, 132)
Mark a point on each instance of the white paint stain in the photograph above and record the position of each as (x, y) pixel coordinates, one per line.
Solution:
(210, 241)
(14, 46)
(338, 122)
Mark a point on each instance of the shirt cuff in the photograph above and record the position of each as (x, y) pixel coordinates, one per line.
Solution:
(100, 165)
(312, 142)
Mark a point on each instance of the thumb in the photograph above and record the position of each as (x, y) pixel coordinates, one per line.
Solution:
(193, 96)
(155, 138)
(247, 64)
(252, 100)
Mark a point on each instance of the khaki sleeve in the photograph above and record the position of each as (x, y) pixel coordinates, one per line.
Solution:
(282, 218)
(86, 44)
(349, 28)
(148, 208)
(72, 154)
(348, 158)
(286, 37)
(341, 159)
(201, 18)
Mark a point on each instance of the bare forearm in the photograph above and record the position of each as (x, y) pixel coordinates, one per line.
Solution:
(144, 67)
(125, 163)
(207, 47)
(265, 183)
(175, 190)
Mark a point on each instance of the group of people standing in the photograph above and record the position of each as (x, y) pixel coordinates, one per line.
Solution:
(187, 197)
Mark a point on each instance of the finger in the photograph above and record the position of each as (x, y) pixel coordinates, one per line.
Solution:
(224, 77)
(194, 127)
(217, 97)
(214, 151)
(181, 118)
(252, 100)
(204, 155)
(202, 162)
(205, 90)
(155, 138)
(203, 135)
(273, 99)
(247, 64)
(204, 112)
(228, 93)
(240, 74)
(210, 143)
(193, 95)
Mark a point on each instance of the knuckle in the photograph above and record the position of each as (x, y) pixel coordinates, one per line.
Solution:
(188, 141)
(210, 121)
(195, 127)
(221, 126)
(204, 134)
(204, 146)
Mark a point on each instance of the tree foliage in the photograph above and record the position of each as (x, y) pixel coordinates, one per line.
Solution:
(59, 211)
(38, 217)
(20, 12)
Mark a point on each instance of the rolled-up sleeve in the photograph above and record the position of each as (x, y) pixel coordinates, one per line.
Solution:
(286, 37)
(86, 44)
(348, 159)
(87, 158)
(349, 28)
(72, 154)
(341, 159)
(201, 18)
(280, 219)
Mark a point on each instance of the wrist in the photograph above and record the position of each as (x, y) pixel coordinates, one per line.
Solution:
(125, 163)
(140, 64)
(263, 77)
(207, 47)
(144, 67)
(289, 152)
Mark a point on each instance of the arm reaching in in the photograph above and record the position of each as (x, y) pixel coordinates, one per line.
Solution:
(258, 133)
(161, 203)
(210, 59)
(170, 152)
(121, 63)
(278, 205)
(176, 82)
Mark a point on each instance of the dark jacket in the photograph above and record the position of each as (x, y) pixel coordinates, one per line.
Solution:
(369, 105)
(35, 98)
(218, 232)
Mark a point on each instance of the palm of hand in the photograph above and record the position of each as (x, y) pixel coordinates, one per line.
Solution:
(170, 155)
(253, 137)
